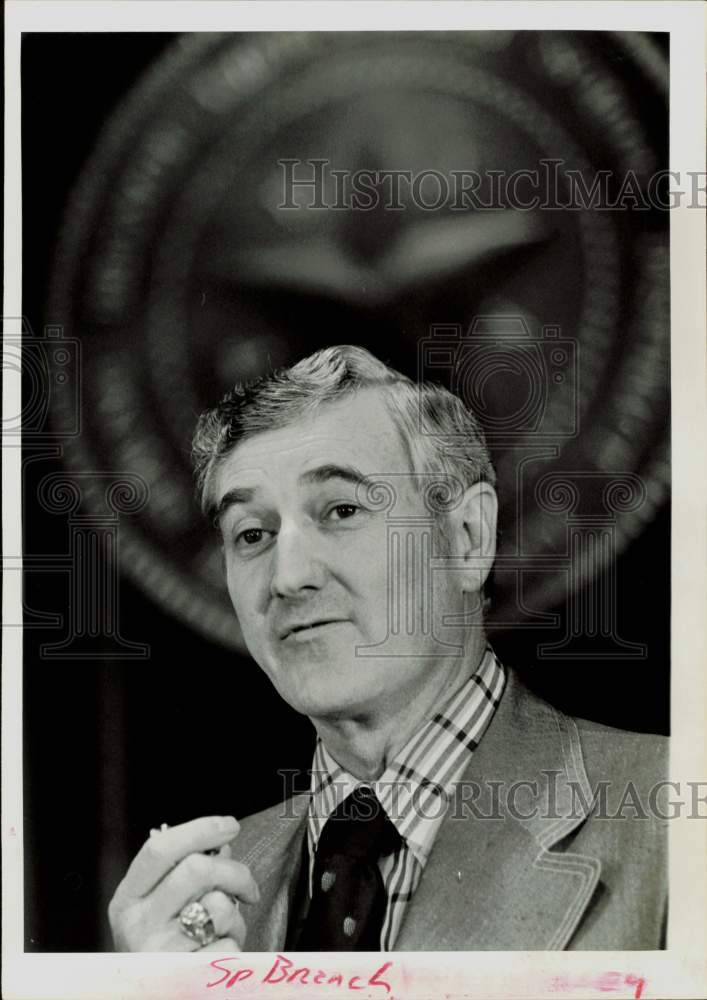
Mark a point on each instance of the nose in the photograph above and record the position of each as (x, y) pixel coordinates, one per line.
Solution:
(296, 566)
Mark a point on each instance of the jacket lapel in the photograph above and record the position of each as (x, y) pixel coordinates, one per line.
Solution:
(272, 849)
(492, 881)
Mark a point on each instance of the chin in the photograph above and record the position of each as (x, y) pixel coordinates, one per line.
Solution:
(314, 690)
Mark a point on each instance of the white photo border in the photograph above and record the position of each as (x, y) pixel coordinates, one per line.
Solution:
(681, 970)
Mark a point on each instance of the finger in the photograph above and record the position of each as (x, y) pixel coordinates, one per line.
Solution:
(170, 937)
(196, 875)
(221, 909)
(238, 929)
(228, 923)
(226, 915)
(222, 945)
(163, 850)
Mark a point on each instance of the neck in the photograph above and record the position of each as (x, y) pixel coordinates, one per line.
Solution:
(364, 744)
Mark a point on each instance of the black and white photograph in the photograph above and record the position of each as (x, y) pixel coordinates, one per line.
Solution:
(354, 500)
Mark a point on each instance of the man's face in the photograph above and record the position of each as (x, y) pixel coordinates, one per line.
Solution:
(307, 561)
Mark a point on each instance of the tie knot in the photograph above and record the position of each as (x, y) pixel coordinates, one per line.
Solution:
(359, 828)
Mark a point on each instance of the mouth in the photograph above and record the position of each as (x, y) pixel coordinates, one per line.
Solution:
(306, 629)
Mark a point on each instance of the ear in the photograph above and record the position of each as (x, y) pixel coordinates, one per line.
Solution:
(474, 521)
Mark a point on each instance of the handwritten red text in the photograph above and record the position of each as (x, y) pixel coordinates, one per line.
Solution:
(284, 970)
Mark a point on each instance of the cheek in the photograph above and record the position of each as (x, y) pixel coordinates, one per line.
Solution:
(242, 591)
(231, 586)
(373, 588)
(250, 624)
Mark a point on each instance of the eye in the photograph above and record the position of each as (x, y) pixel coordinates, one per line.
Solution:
(251, 536)
(343, 511)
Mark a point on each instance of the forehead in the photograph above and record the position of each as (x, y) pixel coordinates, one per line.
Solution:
(358, 431)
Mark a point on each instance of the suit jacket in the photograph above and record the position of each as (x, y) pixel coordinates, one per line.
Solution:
(537, 868)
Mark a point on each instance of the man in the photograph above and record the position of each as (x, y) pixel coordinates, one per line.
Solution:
(449, 807)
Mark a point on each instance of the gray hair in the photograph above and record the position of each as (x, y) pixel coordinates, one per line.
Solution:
(440, 435)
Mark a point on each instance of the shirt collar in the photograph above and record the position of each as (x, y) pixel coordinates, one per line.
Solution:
(416, 785)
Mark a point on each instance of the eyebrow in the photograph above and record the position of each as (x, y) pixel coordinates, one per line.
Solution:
(317, 476)
(323, 473)
(238, 495)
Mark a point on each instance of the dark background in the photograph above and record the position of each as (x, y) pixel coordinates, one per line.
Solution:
(108, 746)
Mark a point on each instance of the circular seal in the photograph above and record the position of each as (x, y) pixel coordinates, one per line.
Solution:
(473, 207)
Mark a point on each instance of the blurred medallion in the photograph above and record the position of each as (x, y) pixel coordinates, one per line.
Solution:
(476, 208)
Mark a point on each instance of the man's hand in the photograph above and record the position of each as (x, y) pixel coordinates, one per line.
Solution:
(171, 870)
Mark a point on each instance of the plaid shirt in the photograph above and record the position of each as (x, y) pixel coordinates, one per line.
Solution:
(416, 787)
